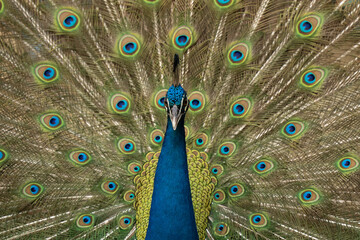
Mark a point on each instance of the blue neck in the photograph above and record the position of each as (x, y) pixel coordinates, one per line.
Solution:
(172, 214)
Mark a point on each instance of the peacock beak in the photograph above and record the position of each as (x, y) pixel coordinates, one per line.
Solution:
(175, 115)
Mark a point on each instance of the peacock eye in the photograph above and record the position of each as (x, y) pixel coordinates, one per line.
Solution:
(293, 129)
(348, 164)
(263, 166)
(238, 54)
(240, 108)
(308, 26)
(125, 222)
(126, 146)
(85, 221)
(129, 46)
(46, 73)
(201, 140)
(80, 157)
(3, 156)
(32, 190)
(129, 196)
(156, 137)
(217, 170)
(312, 78)
(134, 168)
(68, 20)
(223, 3)
(51, 121)
(119, 103)
(197, 101)
(227, 149)
(160, 99)
(236, 190)
(221, 229)
(309, 196)
(110, 187)
(182, 38)
(258, 220)
(219, 196)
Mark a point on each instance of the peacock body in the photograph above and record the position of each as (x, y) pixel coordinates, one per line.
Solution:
(249, 132)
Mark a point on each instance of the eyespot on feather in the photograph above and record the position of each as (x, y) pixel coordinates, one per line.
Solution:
(196, 101)
(126, 146)
(129, 196)
(125, 222)
(236, 190)
(204, 156)
(110, 187)
(32, 190)
(80, 157)
(182, 38)
(85, 221)
(129, 46)
(258, 220)
(308, 26)
(157, 137)
(348, 164)
(217, 170)
(221, 229)
(3, 156)
(134, 168)
(51, 121)
(201, 140)
(68, 20)
(264, 166)
(219, 196)
(293, 129)
(312, 78)
(240, 108)
(159, 99)
(46, 73)
(119, 103)
(227, 149)
(238, 54)
(309, 196)
(224, 3)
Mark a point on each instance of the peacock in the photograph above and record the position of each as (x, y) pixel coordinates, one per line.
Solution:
(187, 119)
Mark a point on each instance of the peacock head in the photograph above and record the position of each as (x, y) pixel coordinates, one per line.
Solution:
(176, 104)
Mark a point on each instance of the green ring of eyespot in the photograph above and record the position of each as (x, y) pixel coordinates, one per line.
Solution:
(4, 156)
(2, 6)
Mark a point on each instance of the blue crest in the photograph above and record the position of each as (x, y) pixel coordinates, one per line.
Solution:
(175, 95)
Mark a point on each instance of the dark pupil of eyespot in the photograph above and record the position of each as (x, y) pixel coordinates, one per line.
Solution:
(307, 25)
(182, 38)
(308, 195)
(195, 102)
(53, 120)
(81, 157)
(126, 221)
(347, 163)
(262, 165)
(111, 185)
(292, 128)
(86, 220)
(311, 77)
(226, 149)
(33, 189)
(136, 168)
(235, 189)
(127, 146)
(69, 20)
(257, 219)
(132, 196)
(47, 73)
(129, 46)
(120, 104)
(157, 137)
(217, 195)
(200, 140)
(215, 170)
(162, 100)
(221, 228)
(239, 108)
(238, 54)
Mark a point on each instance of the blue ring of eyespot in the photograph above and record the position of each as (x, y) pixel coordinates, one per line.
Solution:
(215, 170)
(234, 189)
(346, 163)
(306, 26)
(131, 49)
(54, 121)
(86, 220)
(82, 157)
(257, 218)
(307, 195)
(131, 196)
(72, 21)
(127, 220)
(123, 105)
(290, 129)
(195, 103)
(111, 185)
(225, 149)
(1, 155)
(223, 1)
(234, 56)
(181, 42)
(261, 166)
(217, 196)
(34, 189)
(128, 147)
(158, 138)
(161, 101)
(49, 73)
(136, 169)
(310, 78)
(221, 227)
(238, 111)
(199, 141)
